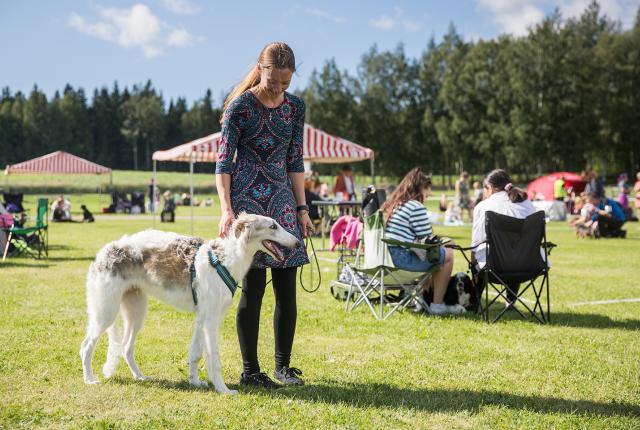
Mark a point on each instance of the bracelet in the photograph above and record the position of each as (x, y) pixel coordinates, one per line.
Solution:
(303, 212)
(302, 208)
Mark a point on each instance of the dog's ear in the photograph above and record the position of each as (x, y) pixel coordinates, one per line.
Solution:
(241, 227)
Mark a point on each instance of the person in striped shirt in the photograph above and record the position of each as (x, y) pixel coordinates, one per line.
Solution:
(407, 220)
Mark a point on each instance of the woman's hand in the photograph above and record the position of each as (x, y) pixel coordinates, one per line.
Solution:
(306, 225)
(226, 220)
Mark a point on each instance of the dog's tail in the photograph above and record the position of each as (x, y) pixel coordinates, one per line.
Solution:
(115, 349)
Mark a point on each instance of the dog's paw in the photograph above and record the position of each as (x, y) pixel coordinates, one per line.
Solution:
(228, 392)
(141, 378)
(91, 382)
(198, 383)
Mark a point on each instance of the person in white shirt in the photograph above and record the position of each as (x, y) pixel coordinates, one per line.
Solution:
(501, 196)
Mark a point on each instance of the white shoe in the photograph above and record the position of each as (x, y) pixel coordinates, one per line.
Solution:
(442, 309)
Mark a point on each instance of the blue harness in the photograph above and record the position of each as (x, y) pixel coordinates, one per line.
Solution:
(231, 283)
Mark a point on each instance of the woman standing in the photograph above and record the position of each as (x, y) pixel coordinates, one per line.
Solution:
(264, 124)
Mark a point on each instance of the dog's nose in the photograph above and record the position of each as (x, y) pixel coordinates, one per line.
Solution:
(298, 244)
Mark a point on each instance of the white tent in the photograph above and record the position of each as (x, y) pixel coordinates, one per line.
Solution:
(318, 147)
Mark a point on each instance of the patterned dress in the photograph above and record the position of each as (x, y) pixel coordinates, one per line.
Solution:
(268, 142)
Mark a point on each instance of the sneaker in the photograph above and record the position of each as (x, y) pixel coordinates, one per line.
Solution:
(289, 376)
(258, 380)
(442, 309)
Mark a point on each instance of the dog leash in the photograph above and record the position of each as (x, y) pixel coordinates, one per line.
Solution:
(315, 257)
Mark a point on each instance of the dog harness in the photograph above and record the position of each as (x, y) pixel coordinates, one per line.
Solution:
(231, 283)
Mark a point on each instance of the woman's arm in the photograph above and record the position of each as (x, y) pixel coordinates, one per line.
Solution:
(295, 170)
(230, 135)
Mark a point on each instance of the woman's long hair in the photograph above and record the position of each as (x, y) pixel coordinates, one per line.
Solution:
(500, 180)
(410, 188)
(276, 54)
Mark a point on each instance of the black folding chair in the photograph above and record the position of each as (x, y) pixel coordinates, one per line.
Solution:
(13, 202)
(514, 257)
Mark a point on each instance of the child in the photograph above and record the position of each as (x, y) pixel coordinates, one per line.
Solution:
(453, 215)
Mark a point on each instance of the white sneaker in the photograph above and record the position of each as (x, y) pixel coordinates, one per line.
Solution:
(442, 309)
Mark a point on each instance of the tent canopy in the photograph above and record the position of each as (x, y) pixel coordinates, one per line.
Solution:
(58, 162)
(542, 188)
(318, 147)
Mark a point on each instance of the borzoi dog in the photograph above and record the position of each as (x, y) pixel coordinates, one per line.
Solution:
(159, 264)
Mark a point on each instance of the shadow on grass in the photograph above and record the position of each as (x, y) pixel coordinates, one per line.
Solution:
(426, 400)
(9, 263)
(446, 400)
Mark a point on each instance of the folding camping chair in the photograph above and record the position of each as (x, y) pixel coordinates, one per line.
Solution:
(33, 241)
(374, 276)
(514, 257)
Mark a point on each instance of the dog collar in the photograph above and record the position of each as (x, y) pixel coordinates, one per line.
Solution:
(231, 283)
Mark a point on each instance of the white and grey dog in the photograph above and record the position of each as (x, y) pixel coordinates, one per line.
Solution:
(158, 263)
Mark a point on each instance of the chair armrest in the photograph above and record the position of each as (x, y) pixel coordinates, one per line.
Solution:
(394, 242)
(548, 246)
(462, 248)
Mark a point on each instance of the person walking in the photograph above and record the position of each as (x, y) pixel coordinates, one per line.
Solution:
(264, 124)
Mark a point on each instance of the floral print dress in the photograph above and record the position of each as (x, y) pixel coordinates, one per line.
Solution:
(268, 142)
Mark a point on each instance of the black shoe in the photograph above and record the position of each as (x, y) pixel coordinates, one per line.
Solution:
(258, 380)
(289, 376)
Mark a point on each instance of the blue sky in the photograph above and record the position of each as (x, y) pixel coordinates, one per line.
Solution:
(187, 46)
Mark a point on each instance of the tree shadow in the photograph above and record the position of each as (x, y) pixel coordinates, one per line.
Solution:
(569, 319)
(10, 263)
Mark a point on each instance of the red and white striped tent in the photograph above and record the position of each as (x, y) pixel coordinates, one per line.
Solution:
(319, 147)
(58, 162)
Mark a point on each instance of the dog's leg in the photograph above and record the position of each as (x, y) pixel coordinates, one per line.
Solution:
(134, 308)
(195, 354)
(102, 309)
(211, 331)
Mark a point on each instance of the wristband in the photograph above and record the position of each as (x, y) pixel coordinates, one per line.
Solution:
(302, 208)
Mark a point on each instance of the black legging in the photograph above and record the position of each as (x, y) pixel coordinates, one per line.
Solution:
(284, 317)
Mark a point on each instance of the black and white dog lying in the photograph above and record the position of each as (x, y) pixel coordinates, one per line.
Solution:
(460, 291)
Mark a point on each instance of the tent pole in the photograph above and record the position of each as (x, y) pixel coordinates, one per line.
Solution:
(191, 189)
(110, 181)
(153, 193)
(373, 176)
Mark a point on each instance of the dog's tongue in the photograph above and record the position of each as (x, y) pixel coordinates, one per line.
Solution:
(274, 248)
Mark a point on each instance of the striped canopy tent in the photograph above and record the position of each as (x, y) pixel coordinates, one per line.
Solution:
(318, 147)
(58, 162)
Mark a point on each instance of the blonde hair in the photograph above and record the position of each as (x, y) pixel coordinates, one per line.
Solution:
(276, 54)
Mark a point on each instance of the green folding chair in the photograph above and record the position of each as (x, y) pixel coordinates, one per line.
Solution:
(373, 275)
(32, 241)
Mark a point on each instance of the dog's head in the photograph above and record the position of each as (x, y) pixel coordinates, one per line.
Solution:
(264, 234)
(464, 288)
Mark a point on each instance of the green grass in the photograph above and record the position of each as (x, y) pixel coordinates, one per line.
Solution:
(411, 371)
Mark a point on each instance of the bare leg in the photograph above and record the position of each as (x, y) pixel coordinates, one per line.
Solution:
(442, 276)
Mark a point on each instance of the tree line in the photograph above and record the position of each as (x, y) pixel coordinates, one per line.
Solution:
(565, 96)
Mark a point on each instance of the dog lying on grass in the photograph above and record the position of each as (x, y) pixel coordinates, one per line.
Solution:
(158, 263)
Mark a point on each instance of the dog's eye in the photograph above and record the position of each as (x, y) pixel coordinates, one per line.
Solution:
(273, 227)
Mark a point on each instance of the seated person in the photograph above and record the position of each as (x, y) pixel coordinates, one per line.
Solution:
(609, 216)
(168, 213)
(311, 196)
(501, 196)
(453, 215)
(583, 224)
(61, 209)
(407, 220)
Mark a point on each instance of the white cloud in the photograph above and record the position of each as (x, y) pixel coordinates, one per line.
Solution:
(180, 37)
(386, 22)
(181, 7)
(136, 27)
(515, 16)
(383, 23)
(324, 15)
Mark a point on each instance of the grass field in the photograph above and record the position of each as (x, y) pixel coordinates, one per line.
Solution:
(411, 371)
